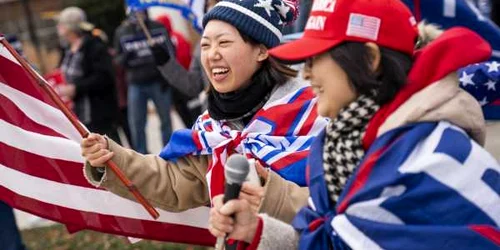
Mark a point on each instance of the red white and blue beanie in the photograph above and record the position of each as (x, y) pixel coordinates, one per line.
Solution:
(262, 20)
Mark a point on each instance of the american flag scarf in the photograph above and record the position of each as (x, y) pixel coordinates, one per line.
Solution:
(278, 136)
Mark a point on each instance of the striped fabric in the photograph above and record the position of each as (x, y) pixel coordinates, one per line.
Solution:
(279, 136)
(41, 170)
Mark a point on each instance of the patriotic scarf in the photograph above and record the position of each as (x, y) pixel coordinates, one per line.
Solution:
(278, 136)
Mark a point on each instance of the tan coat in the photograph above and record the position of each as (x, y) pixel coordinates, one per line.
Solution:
(181, 185)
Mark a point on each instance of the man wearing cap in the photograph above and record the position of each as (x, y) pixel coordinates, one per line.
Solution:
(88, 71)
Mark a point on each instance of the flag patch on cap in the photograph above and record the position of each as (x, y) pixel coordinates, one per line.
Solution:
(363, 26)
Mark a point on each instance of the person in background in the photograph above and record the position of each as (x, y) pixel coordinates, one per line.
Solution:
(400, 164)
(87, 68)
(188, 108)
(10, 237)
(182, 46)
(192, 82)
(121, 86)
(144, 80)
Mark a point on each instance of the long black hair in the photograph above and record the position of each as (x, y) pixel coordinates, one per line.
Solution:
(355, 59)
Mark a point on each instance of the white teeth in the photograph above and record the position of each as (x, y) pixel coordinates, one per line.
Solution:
(220, 70)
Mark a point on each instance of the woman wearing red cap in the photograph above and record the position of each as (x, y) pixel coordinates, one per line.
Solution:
(400, 165)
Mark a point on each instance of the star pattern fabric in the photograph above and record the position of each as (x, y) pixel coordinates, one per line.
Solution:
(266, 5)
(481, 80)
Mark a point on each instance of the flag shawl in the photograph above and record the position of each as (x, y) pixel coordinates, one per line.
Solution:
(421, 186)
(278, 136)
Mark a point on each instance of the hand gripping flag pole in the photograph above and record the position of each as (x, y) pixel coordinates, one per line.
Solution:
(83, 131)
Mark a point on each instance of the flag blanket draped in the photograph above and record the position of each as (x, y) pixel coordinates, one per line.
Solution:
(41, 170)
(278, 136)
(422, 186)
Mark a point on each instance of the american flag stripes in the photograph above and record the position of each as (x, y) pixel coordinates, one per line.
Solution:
(41, 170)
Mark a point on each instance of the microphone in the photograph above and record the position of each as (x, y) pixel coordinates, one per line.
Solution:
(235, 173)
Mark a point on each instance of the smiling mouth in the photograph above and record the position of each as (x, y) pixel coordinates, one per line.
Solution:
(219, 74)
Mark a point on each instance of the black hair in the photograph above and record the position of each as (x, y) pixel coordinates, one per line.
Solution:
(355, 59)
(271, 72)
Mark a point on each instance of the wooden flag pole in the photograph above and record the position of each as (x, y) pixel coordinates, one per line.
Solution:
(82, 130)
(144, 28)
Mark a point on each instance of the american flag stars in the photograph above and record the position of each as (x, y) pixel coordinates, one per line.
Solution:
(480, 81)
(493, 66)
(466, 79)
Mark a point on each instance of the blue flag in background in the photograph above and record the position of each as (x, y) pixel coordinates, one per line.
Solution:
(449, 13)
(186, 11)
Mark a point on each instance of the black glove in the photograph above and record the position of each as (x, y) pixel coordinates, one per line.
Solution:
(160, 54)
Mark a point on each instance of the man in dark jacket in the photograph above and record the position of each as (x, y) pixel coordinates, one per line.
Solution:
(144, 80)
(88, 71)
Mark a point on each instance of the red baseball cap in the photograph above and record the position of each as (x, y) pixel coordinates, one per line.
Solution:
(388, 23)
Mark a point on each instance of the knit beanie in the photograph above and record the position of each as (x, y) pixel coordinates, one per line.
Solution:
(262, 20)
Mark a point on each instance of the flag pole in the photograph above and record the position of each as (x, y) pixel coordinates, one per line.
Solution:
(144, 28)
(81, 129)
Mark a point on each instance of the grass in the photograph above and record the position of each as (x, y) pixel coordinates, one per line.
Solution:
(57, 238)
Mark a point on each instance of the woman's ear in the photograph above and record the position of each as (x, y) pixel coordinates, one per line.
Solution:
(375, 56)
(263, 53)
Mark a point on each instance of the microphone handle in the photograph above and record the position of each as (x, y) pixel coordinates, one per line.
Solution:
(231, 192)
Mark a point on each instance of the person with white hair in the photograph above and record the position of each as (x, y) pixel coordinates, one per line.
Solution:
(88, 71)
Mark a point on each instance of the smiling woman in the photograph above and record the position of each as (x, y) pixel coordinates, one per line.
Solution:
(248, 81)
(222, 51)
(256, 108)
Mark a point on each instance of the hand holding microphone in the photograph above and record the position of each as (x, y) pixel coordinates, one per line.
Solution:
(232, 216)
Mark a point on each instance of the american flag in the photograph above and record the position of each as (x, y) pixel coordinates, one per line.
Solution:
(481, 81)
(363, 26)
(41, 170)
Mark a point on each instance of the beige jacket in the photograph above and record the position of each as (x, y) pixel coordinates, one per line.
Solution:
(181, 185)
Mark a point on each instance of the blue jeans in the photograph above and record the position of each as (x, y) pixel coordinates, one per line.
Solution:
(138, 96)
(10, 238)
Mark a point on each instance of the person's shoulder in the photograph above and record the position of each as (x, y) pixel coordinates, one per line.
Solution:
(439, 140)
(123, 27)
(95, 46)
